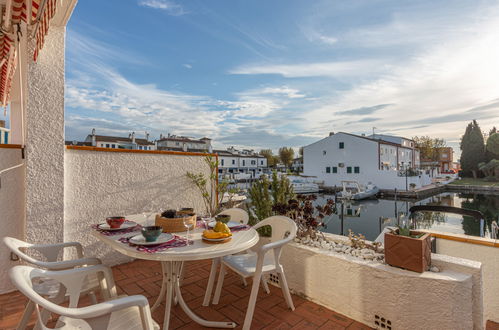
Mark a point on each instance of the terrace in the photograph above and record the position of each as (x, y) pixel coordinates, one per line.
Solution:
(50, 193)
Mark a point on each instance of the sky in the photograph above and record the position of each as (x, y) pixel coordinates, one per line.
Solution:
(265, 74)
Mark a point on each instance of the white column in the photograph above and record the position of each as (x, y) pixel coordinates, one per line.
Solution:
(45, 141)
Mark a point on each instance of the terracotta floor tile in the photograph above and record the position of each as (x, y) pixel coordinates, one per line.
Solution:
(144, 277)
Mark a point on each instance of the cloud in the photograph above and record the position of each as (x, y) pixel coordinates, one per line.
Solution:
(170, 7)
(319, 69)
(187, 65)
(363, 110)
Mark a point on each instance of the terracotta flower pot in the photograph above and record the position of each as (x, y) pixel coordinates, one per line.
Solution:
(407, 252)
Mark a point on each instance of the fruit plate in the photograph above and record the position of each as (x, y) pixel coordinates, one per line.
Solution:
(230, 224)
(127, 224)
(216, 240)
(141, 240)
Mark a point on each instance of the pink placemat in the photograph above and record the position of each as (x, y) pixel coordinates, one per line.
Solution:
(177, 241)
(116, 232)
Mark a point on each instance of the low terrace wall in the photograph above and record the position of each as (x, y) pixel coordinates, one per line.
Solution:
(12, 210)
(101, 182)
(484, 250)
(362, 290)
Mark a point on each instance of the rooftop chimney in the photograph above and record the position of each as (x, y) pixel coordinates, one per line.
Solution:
(147, 136)
(94, 140)
(331, 133)
(133, 137)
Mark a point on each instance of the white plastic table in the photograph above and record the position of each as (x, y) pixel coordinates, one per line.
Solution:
(172, 262)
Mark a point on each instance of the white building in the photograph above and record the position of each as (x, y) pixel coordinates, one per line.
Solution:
(184, 143)
(118, 142)
(4, 133)
(241, 163)
(382, 161)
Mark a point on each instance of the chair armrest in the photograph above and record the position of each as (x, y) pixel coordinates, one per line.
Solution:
(51, 251)
(274, 245)
(108, 307)
(68, 264)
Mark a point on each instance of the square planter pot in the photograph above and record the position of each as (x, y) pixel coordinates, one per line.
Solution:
(407, 252)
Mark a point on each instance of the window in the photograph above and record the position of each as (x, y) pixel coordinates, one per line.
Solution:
(328, 169)
(222, 162)
(107, 145)
(349, 169)
(444, 155)
(177, 143)
(253, 162)
(113, 146)
(244, 162)
(335, 169)
(261, 162)
(342, 145)
(324, 152)
(356, 169)
(233, 162)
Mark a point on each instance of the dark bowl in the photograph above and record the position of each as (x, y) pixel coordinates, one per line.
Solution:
(223, 218)
(151, 233)
(115, 222)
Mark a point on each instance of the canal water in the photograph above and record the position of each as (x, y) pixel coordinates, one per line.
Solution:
(369, 217)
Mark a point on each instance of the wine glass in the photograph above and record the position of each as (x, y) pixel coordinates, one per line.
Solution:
(188, 224)
(205, 217)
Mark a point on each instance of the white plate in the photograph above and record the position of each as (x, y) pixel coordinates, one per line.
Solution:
(215, 239)
(141, 240)
(231, 224)
(127, 224)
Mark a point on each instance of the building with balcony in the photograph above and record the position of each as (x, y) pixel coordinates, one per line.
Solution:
(183, 143)
(349, 157)
(244, 163)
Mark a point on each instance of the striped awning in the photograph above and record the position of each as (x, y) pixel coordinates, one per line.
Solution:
(42, 11)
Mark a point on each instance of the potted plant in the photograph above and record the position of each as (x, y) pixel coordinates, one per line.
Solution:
(408, 249)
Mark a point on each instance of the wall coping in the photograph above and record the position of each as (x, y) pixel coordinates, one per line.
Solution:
(160, 152)
(11, 146)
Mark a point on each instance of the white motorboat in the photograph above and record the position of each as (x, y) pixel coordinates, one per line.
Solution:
(353, 190)
(302, 187)
(233, 197)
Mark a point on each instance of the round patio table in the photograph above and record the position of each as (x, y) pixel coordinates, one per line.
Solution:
(172, 260)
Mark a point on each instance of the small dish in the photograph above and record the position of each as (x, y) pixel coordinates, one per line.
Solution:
(141, 240)
(230, 224)
(216, 239)
(127, 224)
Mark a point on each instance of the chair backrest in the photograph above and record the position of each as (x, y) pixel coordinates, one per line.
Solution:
(73, 281)
(237, 215)
(283, 228)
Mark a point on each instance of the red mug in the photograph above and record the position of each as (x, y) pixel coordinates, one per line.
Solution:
(115, 222)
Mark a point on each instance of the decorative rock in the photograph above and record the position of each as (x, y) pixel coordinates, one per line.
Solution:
(434, 269)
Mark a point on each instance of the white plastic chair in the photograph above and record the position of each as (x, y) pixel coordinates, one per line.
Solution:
(131, 312)
(51, 289)
(237, 215)
(260, 262)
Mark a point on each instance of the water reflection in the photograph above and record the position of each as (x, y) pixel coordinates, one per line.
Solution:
(371, 216)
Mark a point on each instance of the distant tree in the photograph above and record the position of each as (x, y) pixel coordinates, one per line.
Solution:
(267, 153)
(489, 154)
(472, 149)
(429, 147)
(286, 155)
(493, 145)
(300, 151)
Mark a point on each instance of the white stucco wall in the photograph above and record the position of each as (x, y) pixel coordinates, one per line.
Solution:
(360, 290)
(45, 142)
(101, 184)
(489, 257)
(11, 208)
